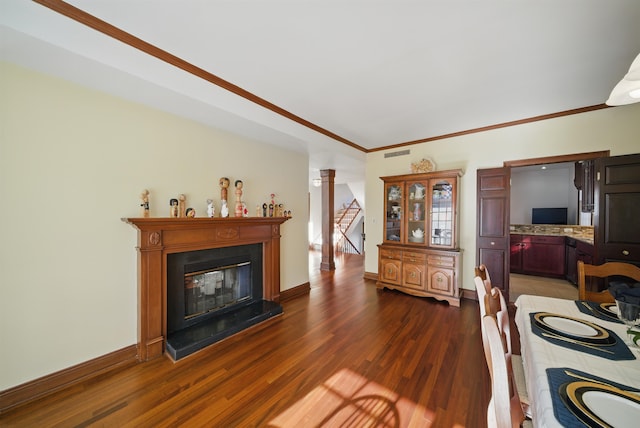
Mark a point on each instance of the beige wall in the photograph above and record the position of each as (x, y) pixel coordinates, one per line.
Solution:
(615, 129)
(73, 163)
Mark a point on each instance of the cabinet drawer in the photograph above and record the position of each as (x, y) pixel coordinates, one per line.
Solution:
(386, 253)
(559, 240)
(441, 260)
(411, 257)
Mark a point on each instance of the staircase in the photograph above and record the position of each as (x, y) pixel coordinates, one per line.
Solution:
(344, 219)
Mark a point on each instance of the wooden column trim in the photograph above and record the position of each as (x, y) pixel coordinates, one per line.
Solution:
(158, 237)
(328, 221)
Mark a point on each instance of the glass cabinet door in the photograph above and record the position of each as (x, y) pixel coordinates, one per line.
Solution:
(393, 212)
(442, 213)
(417, 212)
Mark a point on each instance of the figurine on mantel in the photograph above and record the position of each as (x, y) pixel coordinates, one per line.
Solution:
(239, 208)
(224, 209)
(145, 203)
(224, 185)
(182, 205)
(211, 210)
(190, 213)
(173, 211)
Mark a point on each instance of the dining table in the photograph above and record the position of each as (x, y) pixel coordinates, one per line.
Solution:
(579, 368)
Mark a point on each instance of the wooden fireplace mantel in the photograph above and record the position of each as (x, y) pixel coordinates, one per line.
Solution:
(158, 237)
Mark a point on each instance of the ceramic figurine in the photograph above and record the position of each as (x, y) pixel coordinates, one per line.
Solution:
(224, 185)
(238, 209)
(190, 212)
(211, 210)
(145, 203)
(264, 209)
(173, 212)
(224, 209)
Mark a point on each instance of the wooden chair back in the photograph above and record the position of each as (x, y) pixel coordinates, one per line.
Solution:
(505, 409)
(482, 281)
(482, 288)
(483, 273)
(602, 271)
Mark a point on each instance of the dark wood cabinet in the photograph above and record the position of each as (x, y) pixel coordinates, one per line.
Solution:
(538, 255)
(617, 218)
(585, 252)
(577, 250)
(571, 258)
(516, 253)
(492, 228)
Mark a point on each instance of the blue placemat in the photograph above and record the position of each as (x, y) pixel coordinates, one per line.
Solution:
(558, 377)
(591, 308)
(617, 351)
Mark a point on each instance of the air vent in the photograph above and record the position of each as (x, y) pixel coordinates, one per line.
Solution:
(400, 153)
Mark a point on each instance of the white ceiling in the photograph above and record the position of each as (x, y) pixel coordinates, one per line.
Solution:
(373, 73)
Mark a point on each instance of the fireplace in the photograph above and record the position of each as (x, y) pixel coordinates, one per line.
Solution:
(201, 280)
(213, 294)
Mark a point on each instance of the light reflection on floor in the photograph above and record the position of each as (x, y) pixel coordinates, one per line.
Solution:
(350, 400)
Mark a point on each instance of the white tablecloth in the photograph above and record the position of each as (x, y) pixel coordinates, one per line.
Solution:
(539, 354)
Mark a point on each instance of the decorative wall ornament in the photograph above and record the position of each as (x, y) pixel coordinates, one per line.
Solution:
(422, 166)
(154, 238)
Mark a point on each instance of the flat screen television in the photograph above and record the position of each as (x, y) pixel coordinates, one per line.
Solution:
(549, 215)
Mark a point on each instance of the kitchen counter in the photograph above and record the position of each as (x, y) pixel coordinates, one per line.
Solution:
(579, 233)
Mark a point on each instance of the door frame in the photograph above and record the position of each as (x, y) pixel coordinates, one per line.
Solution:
(575, 157)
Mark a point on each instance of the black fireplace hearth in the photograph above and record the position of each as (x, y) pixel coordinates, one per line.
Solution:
(196, 337)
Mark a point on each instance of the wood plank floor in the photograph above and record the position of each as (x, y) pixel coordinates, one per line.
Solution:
(345, 355)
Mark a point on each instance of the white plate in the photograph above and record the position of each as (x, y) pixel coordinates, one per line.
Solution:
(570, 326)
(613, 409)
(599, 404)
(610, 307)
(575, 328)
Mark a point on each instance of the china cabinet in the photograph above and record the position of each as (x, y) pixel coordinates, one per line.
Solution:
(419, 254)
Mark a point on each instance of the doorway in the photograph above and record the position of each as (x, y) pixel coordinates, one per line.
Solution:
(494, 213)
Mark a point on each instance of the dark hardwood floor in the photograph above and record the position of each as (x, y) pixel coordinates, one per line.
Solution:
(345, 355)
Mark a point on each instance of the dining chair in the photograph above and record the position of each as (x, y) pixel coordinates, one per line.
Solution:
(492, 302)
(504, 409)
(483, 272)
(483, 285)
(602, 271)
(515, 360)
